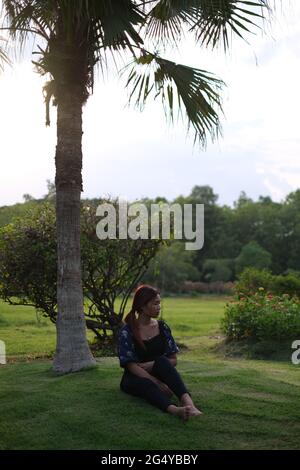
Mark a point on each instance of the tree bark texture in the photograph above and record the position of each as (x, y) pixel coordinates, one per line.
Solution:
(72, 350)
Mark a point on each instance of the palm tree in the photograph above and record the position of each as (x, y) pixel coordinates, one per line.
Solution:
(73, 37)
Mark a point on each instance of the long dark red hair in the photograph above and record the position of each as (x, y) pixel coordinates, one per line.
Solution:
(142, 295)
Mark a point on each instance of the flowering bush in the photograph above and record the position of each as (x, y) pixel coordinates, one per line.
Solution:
(262, 316)
(251, 279)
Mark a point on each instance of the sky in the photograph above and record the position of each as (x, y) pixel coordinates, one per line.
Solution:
(133, 154)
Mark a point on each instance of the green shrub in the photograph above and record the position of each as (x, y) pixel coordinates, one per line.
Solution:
(286, 284)
(262, 316)
(218, 270)
(251, 279)
(253, 255)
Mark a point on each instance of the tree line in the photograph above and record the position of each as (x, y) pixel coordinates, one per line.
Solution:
(261, 234)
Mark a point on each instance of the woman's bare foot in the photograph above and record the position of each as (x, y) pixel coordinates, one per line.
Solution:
(182, 412)
(195, 412)
(186, 400)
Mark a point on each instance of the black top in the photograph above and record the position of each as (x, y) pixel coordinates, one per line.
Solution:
(129, 350)
(155, 347)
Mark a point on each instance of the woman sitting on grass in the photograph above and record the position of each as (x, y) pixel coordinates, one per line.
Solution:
(147, 352)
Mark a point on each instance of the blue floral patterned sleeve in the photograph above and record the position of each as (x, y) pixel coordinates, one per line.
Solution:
(126, 349)
(171, 346)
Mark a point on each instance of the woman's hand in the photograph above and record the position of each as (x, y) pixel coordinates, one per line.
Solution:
(147, 366)
(164, 388)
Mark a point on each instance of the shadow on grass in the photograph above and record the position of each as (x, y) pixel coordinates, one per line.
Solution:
(254, 349)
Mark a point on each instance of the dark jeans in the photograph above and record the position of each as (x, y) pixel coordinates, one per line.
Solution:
(145, 388)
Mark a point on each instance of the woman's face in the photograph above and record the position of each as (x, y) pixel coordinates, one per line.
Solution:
(152, 308)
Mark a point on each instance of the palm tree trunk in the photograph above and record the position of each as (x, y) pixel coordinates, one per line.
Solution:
(72, 350)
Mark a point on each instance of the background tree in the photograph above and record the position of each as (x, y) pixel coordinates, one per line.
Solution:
(212, 214)
(27, 197)
(289, 217)
(273, 225)
(28, 265)
(50, 191)
(111, 268)
(253, 255)
(172, 265)
(218, 270)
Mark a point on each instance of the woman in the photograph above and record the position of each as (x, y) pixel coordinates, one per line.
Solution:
(147, 352)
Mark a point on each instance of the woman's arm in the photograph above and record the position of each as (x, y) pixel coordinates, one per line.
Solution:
(148, 366)
(135, 369)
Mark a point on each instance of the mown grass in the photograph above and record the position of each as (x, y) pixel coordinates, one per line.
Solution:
(247, 404)
(28, 335)
(25, 334)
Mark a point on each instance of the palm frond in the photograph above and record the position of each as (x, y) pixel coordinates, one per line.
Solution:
(193, 90)
(4, 59)
(211, 20)
(166, 19)
(26, 18)
(113, 28)
(98, 25)
(219, 18)
(78, 34)
(116, 22)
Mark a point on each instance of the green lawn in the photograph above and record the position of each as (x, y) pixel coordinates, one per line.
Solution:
(26, 334)
(247, 404)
